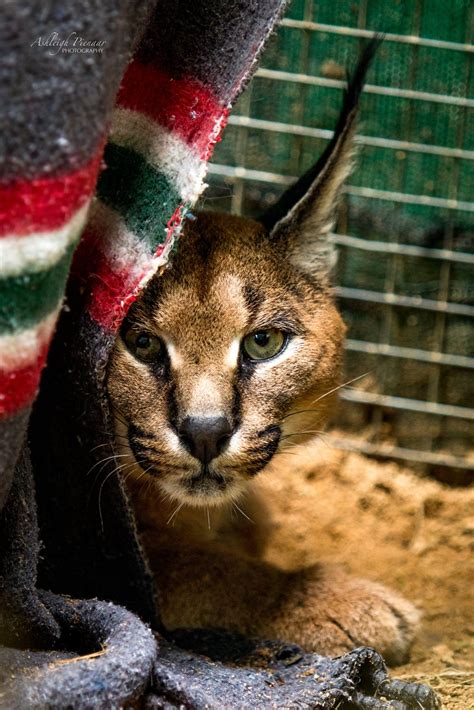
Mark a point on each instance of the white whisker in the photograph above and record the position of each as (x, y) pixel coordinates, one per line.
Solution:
(107, 458)
(335, 389)
(241, 511)
(115, 470)
(326, 394)
(174, 513)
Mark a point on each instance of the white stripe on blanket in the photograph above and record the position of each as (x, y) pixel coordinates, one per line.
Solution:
(165, 150)
(23, 347)
(126, 254)
(41, 250)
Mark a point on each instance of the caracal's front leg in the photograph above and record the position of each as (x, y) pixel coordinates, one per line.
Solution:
(320, 608)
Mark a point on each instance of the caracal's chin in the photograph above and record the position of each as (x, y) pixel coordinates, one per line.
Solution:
(202, 490)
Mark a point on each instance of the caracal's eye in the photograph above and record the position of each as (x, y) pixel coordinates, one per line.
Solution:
(264, 344)
(145, 346)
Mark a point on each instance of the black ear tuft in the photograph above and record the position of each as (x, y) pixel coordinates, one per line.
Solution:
(308, 206)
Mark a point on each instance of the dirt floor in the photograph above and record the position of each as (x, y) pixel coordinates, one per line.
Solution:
(382, 521)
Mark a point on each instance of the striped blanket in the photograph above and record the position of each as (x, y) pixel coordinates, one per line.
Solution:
(124, 98)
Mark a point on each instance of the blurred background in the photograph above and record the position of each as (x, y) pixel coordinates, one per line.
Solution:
(404, 278)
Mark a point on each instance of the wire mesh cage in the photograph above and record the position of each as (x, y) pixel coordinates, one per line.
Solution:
(405, 231)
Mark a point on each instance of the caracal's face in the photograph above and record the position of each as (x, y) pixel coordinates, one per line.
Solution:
(216, 359)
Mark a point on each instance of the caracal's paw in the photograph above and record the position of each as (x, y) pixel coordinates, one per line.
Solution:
(330, 613)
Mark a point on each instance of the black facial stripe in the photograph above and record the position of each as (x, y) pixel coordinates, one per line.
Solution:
(236, 408)
(135, 432)
(161, 368)
(140, 450)
(266, 451)
(273, 429)
(262, 454)
(262, 451)
(137, 450)
(253, 299)
(151, 465)
(245, 369)
(257, 466)
(172, 408)
(270, 445)
(146, 449)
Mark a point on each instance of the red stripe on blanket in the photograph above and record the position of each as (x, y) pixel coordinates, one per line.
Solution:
(46, 203)
(110, 295)
(184, 106)
(107, 294)
(18, 387)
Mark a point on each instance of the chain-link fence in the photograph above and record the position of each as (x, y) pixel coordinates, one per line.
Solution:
(405, 233)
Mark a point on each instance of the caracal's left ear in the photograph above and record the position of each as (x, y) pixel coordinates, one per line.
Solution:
(305, 213)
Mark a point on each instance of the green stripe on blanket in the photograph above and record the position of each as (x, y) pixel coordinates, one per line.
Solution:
(143, 196)
(27, 299)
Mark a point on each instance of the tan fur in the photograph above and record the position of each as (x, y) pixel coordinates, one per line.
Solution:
(227, 280)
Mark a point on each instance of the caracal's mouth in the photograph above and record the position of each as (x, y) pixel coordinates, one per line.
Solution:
(206, 488)
(205, 482)
(195, 484)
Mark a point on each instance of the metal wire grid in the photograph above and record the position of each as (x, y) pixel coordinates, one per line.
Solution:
(252, 187)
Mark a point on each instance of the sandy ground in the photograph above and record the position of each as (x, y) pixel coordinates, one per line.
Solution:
(382, 521)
